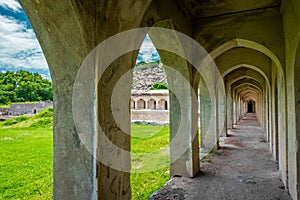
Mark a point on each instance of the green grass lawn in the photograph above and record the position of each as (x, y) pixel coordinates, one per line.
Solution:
(149, 158)
(26, 158)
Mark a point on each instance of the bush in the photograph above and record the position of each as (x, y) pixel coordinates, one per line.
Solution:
(159, 86)
(48, 112)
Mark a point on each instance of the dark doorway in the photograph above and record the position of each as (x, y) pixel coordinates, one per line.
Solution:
(251, 107)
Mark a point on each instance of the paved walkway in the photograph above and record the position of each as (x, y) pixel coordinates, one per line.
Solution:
(243, 169)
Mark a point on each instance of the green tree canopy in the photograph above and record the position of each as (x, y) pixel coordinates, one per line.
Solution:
(23, 86)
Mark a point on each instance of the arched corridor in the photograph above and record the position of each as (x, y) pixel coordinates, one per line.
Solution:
(241, 169)
(228, 60)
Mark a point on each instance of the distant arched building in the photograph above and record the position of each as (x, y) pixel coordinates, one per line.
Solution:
(152, 106)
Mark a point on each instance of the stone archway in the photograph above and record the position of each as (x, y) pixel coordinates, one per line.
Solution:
(132, 104)
(251, 107)
(162, 105)
(152, 104)
(268, 118)
(141, 104)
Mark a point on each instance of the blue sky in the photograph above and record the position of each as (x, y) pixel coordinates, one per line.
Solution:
(147, 51)
(19, 48)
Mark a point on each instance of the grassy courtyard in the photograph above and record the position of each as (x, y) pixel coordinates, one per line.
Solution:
(26, 154)
(149, 159)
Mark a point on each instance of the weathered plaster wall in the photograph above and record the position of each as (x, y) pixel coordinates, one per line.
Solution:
(291, 21)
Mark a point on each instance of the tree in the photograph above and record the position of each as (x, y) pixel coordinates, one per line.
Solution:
(24, 86)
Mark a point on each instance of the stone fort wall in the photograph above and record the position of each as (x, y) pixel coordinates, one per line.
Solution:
(32, 108)
(146, 106)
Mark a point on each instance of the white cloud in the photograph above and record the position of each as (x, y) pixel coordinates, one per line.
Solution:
(147, 45)
(19, 46)
(148, 52)
(11, 5)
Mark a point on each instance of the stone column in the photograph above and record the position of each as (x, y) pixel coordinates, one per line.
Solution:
(68, 31)
(234, 108)
(210, 118)
(114, 131)
(274, 116)
(184, 147)
(221, 108)
(229, 109)
(66, 43)
(282, 137)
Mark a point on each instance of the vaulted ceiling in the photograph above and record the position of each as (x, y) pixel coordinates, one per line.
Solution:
(210, 8)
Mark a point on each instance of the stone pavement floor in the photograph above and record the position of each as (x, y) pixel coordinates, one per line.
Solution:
(242, 169)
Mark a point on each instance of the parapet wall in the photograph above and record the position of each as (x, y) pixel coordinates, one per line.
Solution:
(151, 116)
(32, 108)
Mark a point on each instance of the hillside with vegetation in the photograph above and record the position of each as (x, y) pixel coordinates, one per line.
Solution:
(22, 86)
(149, 76)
